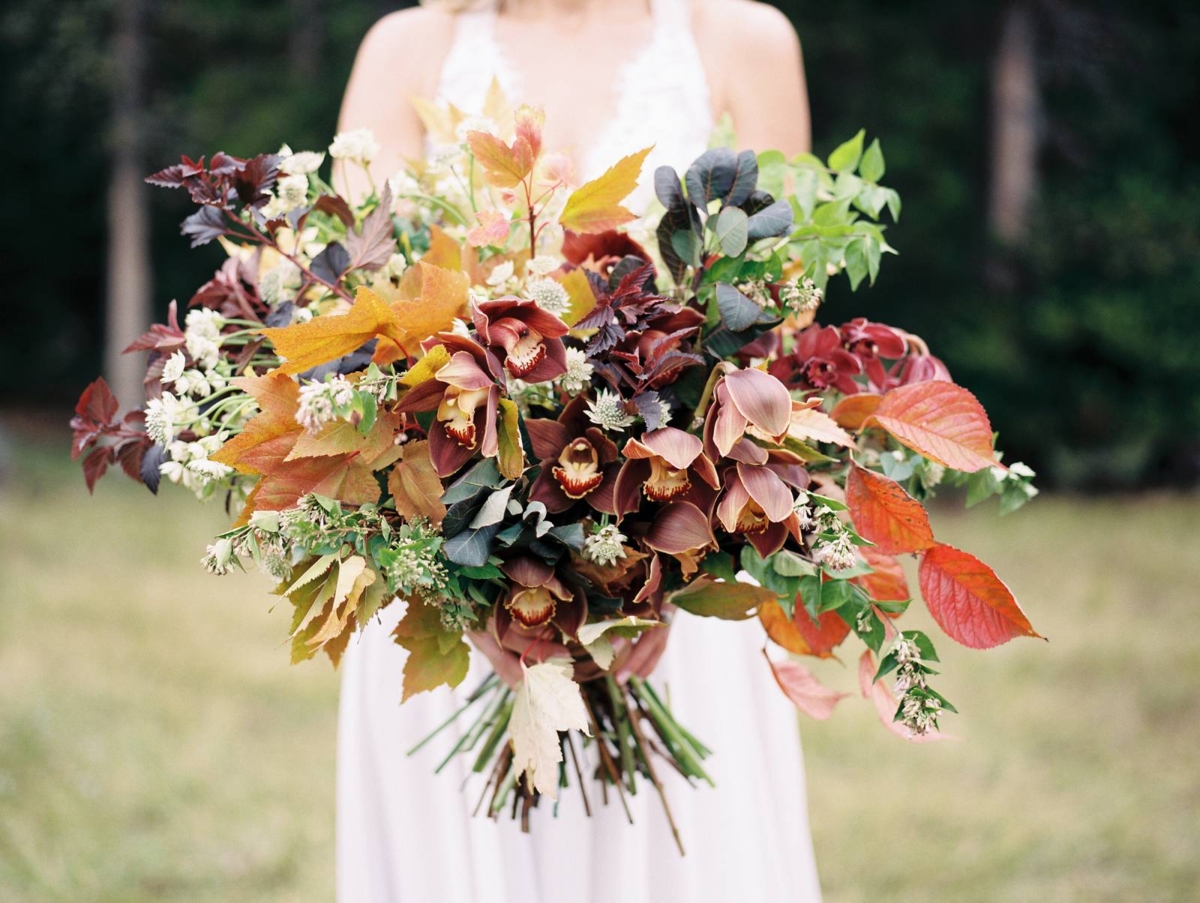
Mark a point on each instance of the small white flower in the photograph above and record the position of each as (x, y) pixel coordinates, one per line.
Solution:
(396, 266)
(220, 557)
(756, 290)
(460, 327)
(501, 274)
(1020, 470)
(801, 297)
(210, 470)
(163, 415)
(403, 183)
(605, 545)
(838, 554)
(579, 372)
(549, 295)
(357, 146)
(302, 163)
(542, 265)
(608, 411)
(323, 402)
(173, 368)
(292, 192)
(906, 651)
(204, 321)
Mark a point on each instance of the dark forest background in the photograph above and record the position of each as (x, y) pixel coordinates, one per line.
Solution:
(1046, 152)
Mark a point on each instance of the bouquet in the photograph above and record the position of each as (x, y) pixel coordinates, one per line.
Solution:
(552, 427)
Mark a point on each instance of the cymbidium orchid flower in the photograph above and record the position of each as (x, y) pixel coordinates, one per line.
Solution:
(664, 465)
(536, 596)
(870, 343)
(527, 339)
(819, 362)
(578, 461)
(757, 501)
(743, 398)
(466, 398)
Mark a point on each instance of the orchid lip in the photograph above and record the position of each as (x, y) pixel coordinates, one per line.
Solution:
(525, 354)
(532, 607)
(578, 470)
(664, 482)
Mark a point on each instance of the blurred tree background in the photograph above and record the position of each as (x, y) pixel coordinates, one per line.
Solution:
(1050, 249)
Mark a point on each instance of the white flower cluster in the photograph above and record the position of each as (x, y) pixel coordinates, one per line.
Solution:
(605, 546)
(608, 411)
(833, 546)
(302, 163)
(279, 283)
(323, 402)
(167, 415)
(184, 381)
(909, 674)
(357, 146)
(549, 295)
(579, 373)
(220, 558)
(502, 276)
(291, 193)
(757, 291)
(202, 335)
(188, 464)
(920, 712)
(801, 297)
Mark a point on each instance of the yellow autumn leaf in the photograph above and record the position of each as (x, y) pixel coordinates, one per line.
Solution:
(442, 300)
(579, 290)
(596, 205)
(511, 458)
(326, 338)
(434, 360)
(415, 486)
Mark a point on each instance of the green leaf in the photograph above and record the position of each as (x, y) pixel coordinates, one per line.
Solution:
(728, 601)
(847, 155)
(484, 475)
(737, 311)
(789, 564)
(732, 231)
(856, 263)
(872, 166)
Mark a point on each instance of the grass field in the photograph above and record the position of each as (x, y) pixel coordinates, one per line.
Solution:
(155, 745)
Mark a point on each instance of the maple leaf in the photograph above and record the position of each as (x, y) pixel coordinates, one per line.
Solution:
(415, 486)
(341, 437)
(436, 656)
(807, 693)
(267, 438)
(968, 600)
(596, 205)
(440, 297)
(503, 165)
(347, 478)
(941, 421)
(326, 338)
(372, 246)
(885, 514)
(547, 701)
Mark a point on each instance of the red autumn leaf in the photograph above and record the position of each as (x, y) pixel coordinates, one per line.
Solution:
(885, 514)
(968, 600)
(886, 704)
(94, 413)
(271, 435)
(165, 337)
(807, 693)
(941, 421)
(853, 410)
(822, 635)
(95, 465)
(887, 583)
(781, 629)
(347, 478)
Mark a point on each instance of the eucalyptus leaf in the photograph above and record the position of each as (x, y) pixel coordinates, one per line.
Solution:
(771, 221)
(471, 547)
(484, 475)
(731, 231)
(737, 311)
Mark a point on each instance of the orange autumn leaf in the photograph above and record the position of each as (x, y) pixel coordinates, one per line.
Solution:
(269, 436)
(347, 478)
(443, 252)
(968, 600)
(436, 656)
(596, 205)
(853, 410)
(341, 437)
(781, 629)
(822, 635)
(887, 582)
(415, 485)
(442, 299)
(503, 165)
(326, 338)
(941, 421)
(885, 514)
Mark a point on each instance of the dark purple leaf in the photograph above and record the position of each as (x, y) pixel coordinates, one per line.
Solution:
(372, 246)
(203, 226)
(151, 460)
(331, 263)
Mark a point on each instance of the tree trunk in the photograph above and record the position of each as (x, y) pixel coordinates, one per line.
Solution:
(1015, 122)
(127, 311)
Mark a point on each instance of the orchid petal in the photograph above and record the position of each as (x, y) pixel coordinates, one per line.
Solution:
(677, 448)
(768, 490)
(464, 372)
(732, 502)
(680, 527)
(527, 571)
(761, 398)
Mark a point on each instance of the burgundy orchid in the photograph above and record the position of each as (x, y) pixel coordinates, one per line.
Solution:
(743, 398)
(536, 596)
(819, 362)
(664, 465)
(758, 501)
(683, 531)
(870, 343)
(525, 337)
(578, 461)
(466, 398)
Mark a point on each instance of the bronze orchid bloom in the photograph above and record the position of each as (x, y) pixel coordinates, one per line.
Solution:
(578, 461)
(664, 465)
(743, 398)
(525, 337)
(537, 597)
(758, 501)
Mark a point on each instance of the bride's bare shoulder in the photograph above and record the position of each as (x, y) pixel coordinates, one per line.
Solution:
(731, 25)
(410, 43)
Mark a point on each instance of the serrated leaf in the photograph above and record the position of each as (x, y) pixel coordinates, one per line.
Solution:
(326, 338)
(547, 701)
(415, 486)
(596, 205)
(969, 602)
(941, 421)
(436, 656)
(806, 693)
(885, 514)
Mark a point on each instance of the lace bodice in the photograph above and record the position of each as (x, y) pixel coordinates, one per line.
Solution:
(662, 95)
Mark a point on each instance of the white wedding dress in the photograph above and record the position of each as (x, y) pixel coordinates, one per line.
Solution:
(405, 835)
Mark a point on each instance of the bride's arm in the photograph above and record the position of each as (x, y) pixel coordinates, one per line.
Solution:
(756, 73)
(399, 59)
